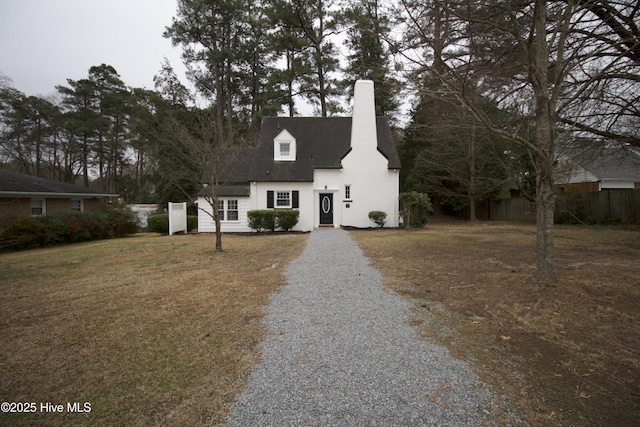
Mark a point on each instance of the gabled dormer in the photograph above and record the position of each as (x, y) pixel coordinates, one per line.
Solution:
(284, 147)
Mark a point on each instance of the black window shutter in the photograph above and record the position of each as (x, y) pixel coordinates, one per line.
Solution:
(295, 197)
(270, 199)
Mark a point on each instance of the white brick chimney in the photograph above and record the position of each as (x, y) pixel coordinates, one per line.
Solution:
(363, 126)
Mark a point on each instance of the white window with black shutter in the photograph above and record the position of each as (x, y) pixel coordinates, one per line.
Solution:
(283, 199)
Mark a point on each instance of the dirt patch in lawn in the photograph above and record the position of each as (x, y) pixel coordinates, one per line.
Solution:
(567, 354)
(149, 330)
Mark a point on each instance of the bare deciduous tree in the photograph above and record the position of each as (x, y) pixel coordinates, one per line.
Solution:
(551, 61)
(202, 157)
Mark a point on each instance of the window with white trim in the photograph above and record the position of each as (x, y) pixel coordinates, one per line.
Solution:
(284, 147)
(221, 210)
(77, 205)
(38, 207)
(283, 199)
(232, 210)
(347, 192)
(228, 210)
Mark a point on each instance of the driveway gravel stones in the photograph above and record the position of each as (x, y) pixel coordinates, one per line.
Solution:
(341, 352)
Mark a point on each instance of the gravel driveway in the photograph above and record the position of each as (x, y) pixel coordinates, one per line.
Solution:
(341, 352)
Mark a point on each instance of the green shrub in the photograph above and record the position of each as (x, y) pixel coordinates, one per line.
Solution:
(260, 220)
(268, 219)
(69, 227)
(192, 222)
(21, 233)
(158, 223)
(122, 220)
(416, 209)
(286, 219)
(378, 217)
(74, 226)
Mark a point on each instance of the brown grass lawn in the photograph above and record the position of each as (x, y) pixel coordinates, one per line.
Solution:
(150, 330)
(567, 354)
(157, 330)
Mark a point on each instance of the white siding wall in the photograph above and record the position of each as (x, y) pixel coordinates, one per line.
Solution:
(206, 224)
(305, 189)
(617, 184)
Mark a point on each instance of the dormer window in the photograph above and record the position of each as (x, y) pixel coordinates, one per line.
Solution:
(284, 147)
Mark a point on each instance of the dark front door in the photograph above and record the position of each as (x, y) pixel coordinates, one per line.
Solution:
(326, 209)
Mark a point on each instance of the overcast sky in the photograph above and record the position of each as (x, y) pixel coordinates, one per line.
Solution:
(45, 42)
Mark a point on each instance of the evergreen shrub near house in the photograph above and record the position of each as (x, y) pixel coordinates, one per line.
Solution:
(68, 227)
(192, 222)
(18, 233)
(416, 208)
(159, 223)
(287, 219)
(260, 220)
(73, 226)
(122, 220)
(267, 219)
(378, 217)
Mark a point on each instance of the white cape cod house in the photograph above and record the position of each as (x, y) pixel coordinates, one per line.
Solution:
(334, 170)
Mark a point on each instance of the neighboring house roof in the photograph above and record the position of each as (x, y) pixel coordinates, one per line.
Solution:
(606, 163)
(321, 143)
(14, 184)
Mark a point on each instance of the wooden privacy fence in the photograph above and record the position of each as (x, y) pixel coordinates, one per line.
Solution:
(607, 206)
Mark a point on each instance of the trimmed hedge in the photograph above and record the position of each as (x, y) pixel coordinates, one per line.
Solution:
(286, 220)
(260, 220)
(379, 217)
(68, 227)
(267, 219)
(159, 223)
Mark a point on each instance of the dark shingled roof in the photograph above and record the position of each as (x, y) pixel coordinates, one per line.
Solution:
(235, 170)
(613, 163)
(18, 184)
(321, 143)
